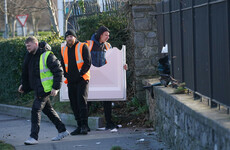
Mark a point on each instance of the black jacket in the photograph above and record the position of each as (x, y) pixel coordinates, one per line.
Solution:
(31, 72)
(74, 75)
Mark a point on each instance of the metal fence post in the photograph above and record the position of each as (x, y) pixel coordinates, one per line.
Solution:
(228, 29)
(182, 43)
(162, 12)
(171, 47)
(213, 104)
(194, 52)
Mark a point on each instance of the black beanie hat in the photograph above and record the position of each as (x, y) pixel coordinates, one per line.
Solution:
(70, 32)
(100, 31)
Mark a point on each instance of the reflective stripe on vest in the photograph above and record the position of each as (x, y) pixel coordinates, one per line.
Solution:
(64, 53)
(107, 45)
(78, 56)
(46, 75)
(91, 42)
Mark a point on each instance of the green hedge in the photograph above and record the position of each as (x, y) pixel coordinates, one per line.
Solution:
(116, 23)
(12, 52)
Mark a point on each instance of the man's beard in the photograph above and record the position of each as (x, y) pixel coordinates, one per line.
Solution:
(70, 43)
(33, 51)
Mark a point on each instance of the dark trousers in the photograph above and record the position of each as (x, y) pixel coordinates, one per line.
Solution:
(107, 110)
(78, 95)
(43, 104)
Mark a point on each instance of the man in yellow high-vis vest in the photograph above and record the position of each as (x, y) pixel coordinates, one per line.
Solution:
(42, 73)
(76, 61)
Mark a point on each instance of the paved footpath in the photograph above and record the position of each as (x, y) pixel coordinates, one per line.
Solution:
(15, 131)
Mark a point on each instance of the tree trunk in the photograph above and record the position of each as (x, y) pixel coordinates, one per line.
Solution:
(13, 27)
(33, 24)
(64, 19)
(66, 15)
(53, 17)
(36, 27)
(10, 23)
(65, 24)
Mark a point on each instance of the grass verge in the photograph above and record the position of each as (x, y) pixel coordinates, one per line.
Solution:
(5, 146)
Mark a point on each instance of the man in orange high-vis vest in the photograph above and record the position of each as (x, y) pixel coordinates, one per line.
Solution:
(76, 62)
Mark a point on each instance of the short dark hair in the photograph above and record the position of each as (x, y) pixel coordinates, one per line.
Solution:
(100, 31)
(31, 39)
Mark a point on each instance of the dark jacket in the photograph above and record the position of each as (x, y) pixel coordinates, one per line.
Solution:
(31, 72)
(98, 52)
(74, 75)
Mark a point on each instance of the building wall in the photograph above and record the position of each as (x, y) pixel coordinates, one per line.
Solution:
(145, 42)
(187, 124)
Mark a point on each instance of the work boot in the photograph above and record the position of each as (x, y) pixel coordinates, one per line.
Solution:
(88, 129)
(84, 127)
(84, 130)
(76, 131)
(110, 126)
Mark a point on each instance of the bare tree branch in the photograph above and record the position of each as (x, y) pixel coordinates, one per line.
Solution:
(53, 16)
(70, 10)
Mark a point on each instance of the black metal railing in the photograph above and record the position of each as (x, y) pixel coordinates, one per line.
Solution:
(197, 34)
(93, 7)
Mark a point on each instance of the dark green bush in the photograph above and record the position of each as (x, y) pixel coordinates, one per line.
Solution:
(12, 52)
(116, 23)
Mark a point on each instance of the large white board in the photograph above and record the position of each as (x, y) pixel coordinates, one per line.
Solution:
(107, 83)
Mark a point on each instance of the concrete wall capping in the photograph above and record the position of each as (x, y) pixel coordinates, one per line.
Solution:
(187, 124)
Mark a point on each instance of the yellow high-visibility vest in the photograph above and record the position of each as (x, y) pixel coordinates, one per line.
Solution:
(46, 75)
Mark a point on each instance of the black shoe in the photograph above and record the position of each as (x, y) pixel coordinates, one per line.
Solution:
(76, 131)
(88, 129)
(84, 130)
(110, 126)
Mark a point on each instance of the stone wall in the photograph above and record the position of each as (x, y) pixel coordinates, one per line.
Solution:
(186, 124)
(145, 42)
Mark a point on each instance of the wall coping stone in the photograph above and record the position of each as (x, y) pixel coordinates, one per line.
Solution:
(210, 117)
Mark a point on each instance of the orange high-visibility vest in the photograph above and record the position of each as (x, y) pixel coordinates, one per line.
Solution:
(91, 42)
(79, 59)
